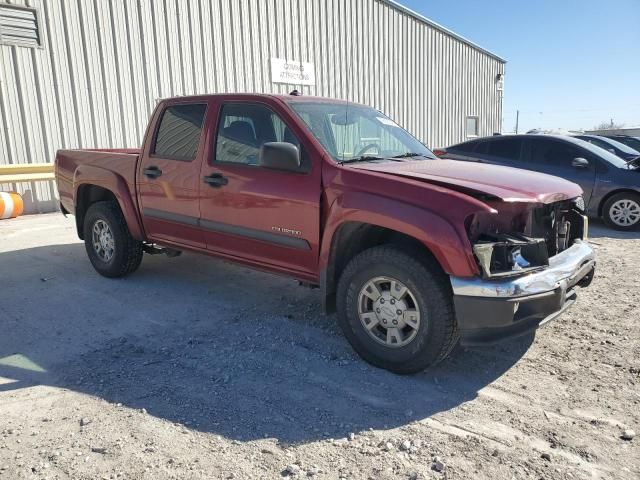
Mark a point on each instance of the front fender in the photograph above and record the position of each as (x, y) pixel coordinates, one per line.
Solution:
(445, 239)
(117, 185)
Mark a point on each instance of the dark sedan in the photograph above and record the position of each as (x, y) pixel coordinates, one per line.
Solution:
(611, 185)
(623, 151)
(628, 140)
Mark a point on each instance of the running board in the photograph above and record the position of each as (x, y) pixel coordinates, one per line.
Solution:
(155, 250)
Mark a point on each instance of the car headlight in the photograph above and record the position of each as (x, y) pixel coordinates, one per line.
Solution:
(579, 202)
(503, 255)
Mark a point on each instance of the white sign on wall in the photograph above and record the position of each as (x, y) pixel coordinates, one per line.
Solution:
(294, 73)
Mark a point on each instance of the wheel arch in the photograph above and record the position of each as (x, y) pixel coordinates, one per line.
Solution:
(352, 238)
(93, 184)
(611, 194)
(86, 195)
(361, 221)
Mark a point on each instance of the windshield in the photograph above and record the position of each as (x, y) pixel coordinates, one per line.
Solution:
(355, 132)
(621, 146)
(604, 142)
(633, 142)
(602, 153)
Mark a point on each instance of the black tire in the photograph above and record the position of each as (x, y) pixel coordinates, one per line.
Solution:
(127, 252)
(437, 332)
(609, 205)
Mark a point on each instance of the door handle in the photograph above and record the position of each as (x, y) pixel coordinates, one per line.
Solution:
(216, 180)
(152, 172)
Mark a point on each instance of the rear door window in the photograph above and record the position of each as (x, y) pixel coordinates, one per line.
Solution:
(466, 147)
(505, 148)
(482, 148)
(179, 131)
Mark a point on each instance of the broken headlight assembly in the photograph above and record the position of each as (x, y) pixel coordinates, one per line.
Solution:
(502, 255)
(522, 238)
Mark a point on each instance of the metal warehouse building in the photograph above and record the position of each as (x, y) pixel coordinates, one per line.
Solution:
(88, 73)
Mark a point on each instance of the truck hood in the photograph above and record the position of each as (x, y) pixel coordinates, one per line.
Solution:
(506, 183)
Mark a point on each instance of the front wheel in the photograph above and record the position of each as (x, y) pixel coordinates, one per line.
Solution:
(396, 310)
(622, 211)
(112, 250)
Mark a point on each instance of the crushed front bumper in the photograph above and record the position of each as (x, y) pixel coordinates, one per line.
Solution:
(490, 310)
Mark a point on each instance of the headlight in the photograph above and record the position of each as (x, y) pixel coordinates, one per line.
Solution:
(503, 255)
(579, 202)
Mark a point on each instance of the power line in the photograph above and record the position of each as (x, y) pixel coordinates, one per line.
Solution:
(611, 108)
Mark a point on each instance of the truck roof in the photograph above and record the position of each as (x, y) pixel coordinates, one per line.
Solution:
(283, 97)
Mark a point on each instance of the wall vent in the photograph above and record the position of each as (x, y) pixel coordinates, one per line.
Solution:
(19, 26)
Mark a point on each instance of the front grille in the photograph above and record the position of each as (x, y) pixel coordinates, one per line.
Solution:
(560, 224)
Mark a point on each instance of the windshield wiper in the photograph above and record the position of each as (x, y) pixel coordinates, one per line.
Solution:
(408, 154)
(363, 158)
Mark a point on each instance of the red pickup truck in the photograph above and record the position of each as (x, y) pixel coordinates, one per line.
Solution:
(415, 253)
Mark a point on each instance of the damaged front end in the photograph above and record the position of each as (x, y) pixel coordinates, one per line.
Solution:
(531, 258)
(521, 238)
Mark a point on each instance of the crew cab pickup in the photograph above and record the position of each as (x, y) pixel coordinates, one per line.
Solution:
(415, 253)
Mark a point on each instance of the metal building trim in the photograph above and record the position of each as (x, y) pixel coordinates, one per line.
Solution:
(443, 29)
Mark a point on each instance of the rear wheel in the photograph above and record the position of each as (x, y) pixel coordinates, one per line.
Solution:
(112, 250)
(395, 310)
(622, 211)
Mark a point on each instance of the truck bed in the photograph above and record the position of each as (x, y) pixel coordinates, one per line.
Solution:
(73, 167)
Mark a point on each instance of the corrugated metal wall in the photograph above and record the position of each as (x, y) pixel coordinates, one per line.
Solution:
(104, 63)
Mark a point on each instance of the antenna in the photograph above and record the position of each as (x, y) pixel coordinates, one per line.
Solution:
(348, 95)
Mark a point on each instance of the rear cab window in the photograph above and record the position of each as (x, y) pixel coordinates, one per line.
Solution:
(179, 131)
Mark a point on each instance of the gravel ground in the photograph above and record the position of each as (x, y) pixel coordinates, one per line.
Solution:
(193, 368)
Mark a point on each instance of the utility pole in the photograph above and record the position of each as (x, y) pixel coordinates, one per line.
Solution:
(517, 120)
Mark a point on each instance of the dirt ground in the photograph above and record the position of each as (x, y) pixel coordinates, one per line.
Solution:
(193, 368)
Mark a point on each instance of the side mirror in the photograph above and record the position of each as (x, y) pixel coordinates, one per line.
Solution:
(580, 162)
(280, 156)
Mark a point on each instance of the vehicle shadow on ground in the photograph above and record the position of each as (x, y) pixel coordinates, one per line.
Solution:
(215, 347)
(597, 229)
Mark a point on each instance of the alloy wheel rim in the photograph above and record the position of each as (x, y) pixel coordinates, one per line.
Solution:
(103, 242)
(625, 213)
(389, 312)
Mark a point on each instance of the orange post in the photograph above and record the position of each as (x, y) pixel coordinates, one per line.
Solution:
(11, 205)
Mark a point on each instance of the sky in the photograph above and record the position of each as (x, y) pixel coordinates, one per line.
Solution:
(571, 64)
